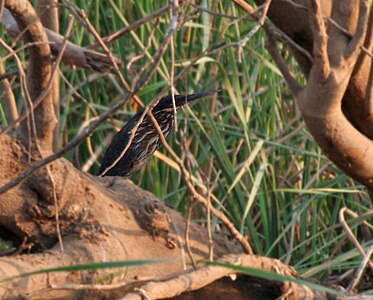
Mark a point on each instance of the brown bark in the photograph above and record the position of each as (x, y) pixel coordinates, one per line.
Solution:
(73, 55)
(48, 13)
(107, 219)
(11, 110)
(39, 73)
(335, 106)
(104, 220)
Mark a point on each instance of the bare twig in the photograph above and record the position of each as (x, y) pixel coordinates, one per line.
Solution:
(28, 103)
(146, 48)
(186, 232)
(54, 72)
(133, 26)
(88, 131)
(141, 82)
(288, 75)
(220, 215)
(194, 280)
(270, 30)
(359, 273)
(350, 233)
(254, 30)
(11, 110)
(74, 54)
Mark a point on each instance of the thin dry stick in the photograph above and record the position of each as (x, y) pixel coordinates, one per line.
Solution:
(144, 50)
(270, 30)
(80, 14)
(220, 215)
(141, 71)
(288, 75)
(208, 214)
(186, 233)
(350, 233)
(172, 75)
(142, 81)
(208, 211)
(113, 37)
(43, 94)
(24, 89)
(254, 30)
(11, 110)
(88, 131)
(190, 205)
(54, 72)
(359, 273)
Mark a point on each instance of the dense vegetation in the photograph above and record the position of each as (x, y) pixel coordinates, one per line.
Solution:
(267, 173)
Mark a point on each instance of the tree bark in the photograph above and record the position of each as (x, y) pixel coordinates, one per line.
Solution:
(38, 77)
(48, 13)
(336, 107)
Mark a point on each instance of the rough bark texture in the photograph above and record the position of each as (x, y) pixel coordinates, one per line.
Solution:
(109, 219)
(48, 13)
(336, 108)
(100, 220)
(39, 73)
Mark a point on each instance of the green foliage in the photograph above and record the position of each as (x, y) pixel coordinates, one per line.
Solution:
(271, 178)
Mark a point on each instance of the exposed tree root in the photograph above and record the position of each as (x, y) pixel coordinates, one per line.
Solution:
(105, 219)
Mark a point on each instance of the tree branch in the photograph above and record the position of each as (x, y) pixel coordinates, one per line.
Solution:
(74, 55)
(39, 72)
(321, 102)
(320, 39)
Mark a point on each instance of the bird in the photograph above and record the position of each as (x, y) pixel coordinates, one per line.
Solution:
(146, 140)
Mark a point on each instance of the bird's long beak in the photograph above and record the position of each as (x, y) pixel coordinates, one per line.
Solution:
(184, 99)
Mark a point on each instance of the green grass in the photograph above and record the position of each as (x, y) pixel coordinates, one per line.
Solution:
(270, 183)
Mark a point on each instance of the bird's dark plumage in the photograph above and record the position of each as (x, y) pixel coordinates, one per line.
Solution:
(146, 139)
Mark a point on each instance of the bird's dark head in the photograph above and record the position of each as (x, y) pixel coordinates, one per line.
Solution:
(181, 100)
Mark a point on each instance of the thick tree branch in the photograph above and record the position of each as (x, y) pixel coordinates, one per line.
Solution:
(321, 104)
(194, 280)
(39, 71)
(353, 48)
(74, 55)
(320, 40)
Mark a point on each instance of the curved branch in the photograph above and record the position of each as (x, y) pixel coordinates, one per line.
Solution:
(201, 277)
(39, 71)
(321, 106)
(320, 40)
